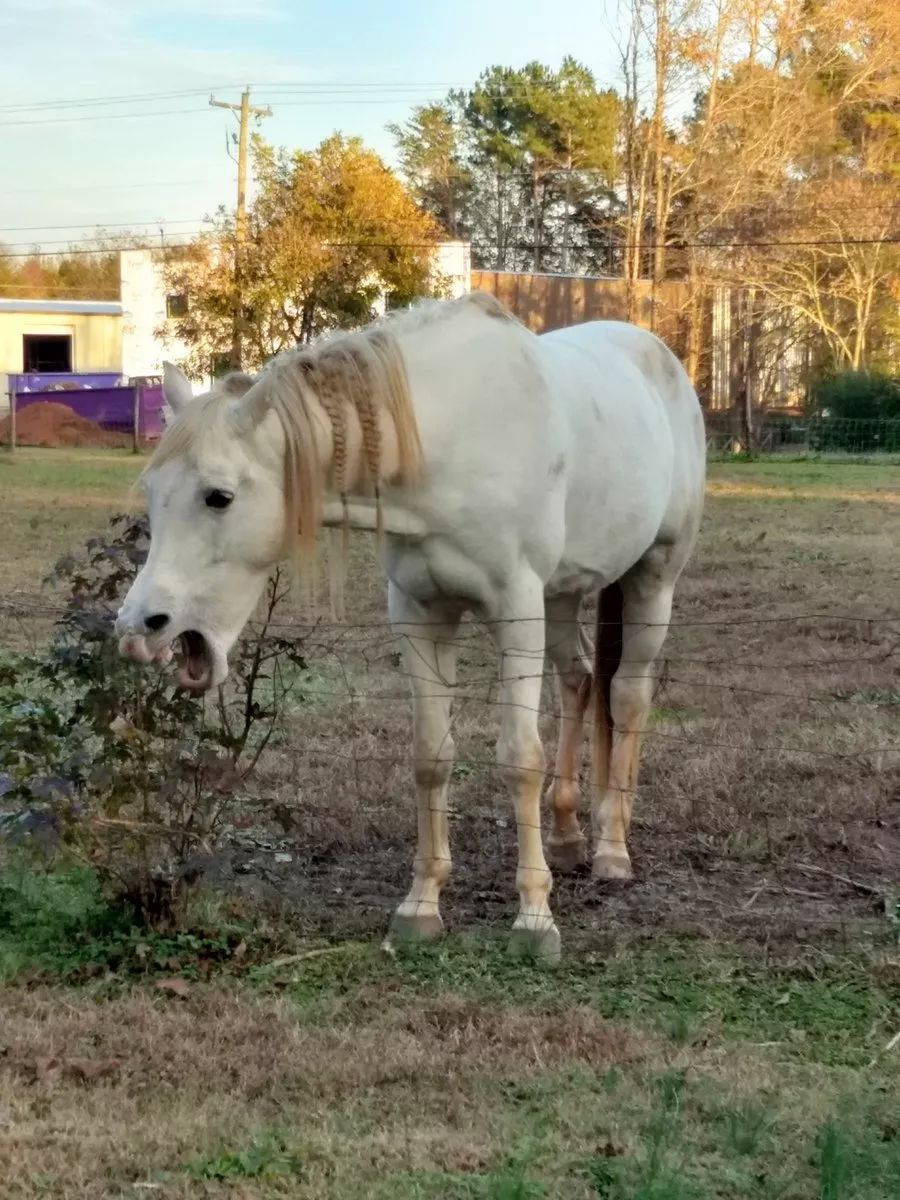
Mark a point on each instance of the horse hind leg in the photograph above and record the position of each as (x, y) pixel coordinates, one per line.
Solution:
(568, 650)
(624, 711)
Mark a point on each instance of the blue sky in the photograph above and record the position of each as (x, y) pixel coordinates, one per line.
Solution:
(66, 169)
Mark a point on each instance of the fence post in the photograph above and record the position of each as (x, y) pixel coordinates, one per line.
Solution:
(12, 417)
(136, 427)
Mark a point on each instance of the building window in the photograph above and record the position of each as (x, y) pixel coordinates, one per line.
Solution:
(177, 305)
(49, 353)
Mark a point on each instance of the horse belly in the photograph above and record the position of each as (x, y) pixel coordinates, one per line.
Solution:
(435, 569)
(616, 504)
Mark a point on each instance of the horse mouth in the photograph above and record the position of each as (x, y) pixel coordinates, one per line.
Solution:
(196, 661)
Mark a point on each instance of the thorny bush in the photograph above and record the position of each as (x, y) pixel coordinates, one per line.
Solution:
(133, 775)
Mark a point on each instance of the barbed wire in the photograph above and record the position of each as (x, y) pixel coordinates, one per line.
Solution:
(31, 603)
(321, 750)
(864, 700)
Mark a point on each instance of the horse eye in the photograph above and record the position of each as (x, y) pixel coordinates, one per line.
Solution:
(218, 499)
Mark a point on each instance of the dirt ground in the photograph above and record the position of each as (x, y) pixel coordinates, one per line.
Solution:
(56, 424)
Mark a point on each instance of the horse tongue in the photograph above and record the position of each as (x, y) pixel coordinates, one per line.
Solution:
(194, 670)
(193, 675)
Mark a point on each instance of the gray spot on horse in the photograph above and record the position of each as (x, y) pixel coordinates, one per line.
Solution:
(557, 467)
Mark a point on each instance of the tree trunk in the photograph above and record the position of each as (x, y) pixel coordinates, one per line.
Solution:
(307, 325)
(500, 251)
(662, 50)
(695, 316)
(568, 199)
(536, 217)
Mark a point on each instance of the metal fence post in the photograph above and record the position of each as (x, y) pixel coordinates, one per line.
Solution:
(12, 418)
(136, 427)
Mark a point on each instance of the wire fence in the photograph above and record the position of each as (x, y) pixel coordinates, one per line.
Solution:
(815, 433)
(772, 769)
(739, 770)
(360, 663)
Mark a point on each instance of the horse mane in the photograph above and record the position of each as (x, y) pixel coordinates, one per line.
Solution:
(361, 372)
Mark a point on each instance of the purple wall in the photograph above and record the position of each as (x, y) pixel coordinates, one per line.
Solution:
(111, 407)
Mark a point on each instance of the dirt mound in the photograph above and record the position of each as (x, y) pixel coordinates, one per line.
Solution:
(51, 424)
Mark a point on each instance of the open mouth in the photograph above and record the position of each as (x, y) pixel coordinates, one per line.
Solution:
(196, 664)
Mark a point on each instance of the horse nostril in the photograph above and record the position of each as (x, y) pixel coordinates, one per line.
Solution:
(157, 622)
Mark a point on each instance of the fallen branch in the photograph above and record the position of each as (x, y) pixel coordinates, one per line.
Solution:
(867, 888)
(290, 959)
(895, 1041)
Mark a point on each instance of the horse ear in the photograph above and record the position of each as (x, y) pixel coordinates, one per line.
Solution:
(177, 391)
(254, 403)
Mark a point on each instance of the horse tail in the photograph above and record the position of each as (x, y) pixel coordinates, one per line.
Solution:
(607, 657)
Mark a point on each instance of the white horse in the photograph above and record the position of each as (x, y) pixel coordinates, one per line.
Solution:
(510, 475)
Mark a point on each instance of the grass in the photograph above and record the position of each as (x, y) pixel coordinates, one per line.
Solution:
(56, 925)
(52, 501)
(717, 1030)
(657, 1068)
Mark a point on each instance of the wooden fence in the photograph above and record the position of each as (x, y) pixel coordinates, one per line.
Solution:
(544, 302)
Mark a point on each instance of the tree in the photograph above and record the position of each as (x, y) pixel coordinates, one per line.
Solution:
(834, 263)
(811, 203)
(525, 161)
(776, 181)
(329, 232)
(72, 275)
(428, 146)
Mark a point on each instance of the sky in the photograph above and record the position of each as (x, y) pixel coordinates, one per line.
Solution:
(104, 113)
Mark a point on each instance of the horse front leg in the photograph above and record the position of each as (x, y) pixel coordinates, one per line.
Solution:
(429, 649)
(519, 636)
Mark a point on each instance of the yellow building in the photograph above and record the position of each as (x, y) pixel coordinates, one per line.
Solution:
(60, 335)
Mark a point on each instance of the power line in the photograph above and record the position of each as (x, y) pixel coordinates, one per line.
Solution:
(102, 225)
(129, 98)
(167, 112)
(345, 87)
(401, 94)
(67, 248)
(106, 186)
(523, 247)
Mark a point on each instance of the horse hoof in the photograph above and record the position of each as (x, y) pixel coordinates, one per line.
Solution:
(612, 867)
(425, 927)
(542, 945)
(567, 857)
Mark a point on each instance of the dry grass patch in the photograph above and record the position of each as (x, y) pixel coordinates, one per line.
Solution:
(100, 1094)
(224, 1093)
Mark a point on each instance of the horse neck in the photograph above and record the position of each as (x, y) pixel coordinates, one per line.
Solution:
(347, 468)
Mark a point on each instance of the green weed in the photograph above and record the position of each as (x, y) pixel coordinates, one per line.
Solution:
(267, 1155)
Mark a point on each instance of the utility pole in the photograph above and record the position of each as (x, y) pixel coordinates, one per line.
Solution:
(245, 111)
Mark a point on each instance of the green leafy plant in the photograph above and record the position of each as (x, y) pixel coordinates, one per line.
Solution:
(266, 1156)
(136, 776)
